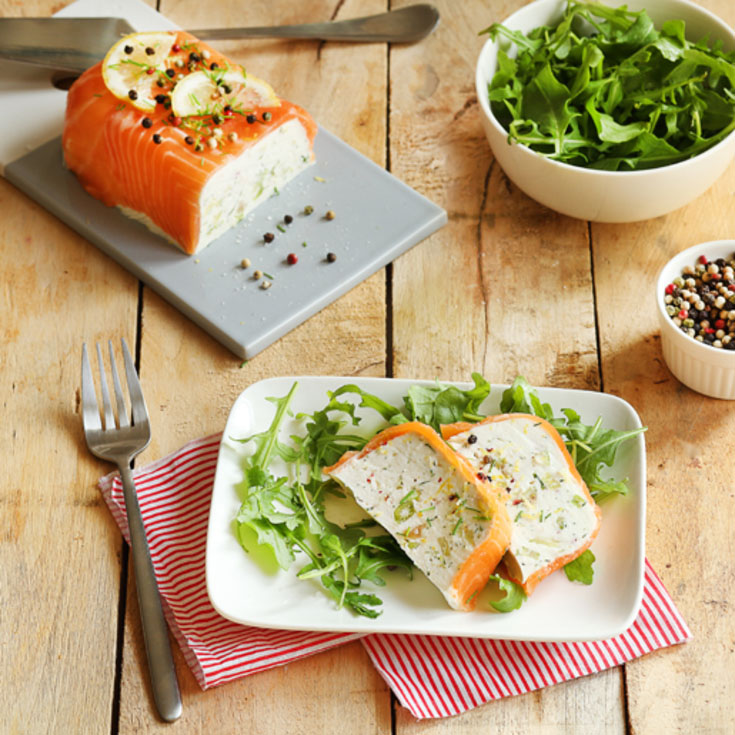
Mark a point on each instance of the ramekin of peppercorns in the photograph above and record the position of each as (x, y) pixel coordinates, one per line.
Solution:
(695, 296)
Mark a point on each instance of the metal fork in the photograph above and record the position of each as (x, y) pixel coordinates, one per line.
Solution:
(119, 443)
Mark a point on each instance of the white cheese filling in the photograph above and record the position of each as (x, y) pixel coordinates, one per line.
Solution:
(437, 517)
(261, 171)
(550, 514)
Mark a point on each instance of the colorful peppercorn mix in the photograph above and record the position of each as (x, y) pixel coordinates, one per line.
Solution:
(701, 301)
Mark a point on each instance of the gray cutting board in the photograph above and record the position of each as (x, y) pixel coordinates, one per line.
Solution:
(377, 218)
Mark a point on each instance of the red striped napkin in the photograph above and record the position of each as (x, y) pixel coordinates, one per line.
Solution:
(438, 677)
(174, 495)
(431, 676)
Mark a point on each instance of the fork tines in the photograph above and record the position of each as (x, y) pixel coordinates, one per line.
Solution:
(91, 407)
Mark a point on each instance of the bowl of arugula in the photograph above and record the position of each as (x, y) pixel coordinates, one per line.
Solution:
(610, 114)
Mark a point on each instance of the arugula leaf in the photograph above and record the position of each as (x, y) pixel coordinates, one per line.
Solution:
(444, 404)
(287, 514)
(388, 412)
(522, 398)
(591, 447)
(580, 570)
(377, 553)
(514, 595)
(605, 89)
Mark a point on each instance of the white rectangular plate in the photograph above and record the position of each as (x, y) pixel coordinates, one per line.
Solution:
(245, 590)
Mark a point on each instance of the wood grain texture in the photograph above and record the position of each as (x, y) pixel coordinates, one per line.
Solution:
(59, 549)
(690, 488)
(194, 395)
(504, 289)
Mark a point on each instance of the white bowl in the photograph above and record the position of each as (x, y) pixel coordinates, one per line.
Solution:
(605, 196)
(707, 370)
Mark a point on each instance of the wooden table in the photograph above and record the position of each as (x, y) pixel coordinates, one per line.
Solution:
(506, 287)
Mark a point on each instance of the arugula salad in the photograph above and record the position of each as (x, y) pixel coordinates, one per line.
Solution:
(605, 89)
(287, 513)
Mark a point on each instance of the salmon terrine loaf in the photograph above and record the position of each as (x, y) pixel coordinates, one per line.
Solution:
(453, 526)
(181, 138)
(553, 516)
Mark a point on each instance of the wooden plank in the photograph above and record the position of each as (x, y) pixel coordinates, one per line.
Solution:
(690, 510)
(692, 686)
(504, 289)
(59, 548)
(194, 396)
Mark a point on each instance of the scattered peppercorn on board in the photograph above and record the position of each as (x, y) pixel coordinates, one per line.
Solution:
(558, 609)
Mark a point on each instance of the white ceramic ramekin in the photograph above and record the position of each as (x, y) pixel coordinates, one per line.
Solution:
(605, 196)
(707, 370)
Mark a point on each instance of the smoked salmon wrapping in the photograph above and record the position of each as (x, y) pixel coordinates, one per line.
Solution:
(189, 178)
(554, 519)
(452, 525)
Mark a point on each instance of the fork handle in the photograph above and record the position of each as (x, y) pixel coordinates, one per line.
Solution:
(155, 633)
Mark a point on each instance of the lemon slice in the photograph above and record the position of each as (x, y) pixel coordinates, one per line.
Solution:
(202, 93)
(125, 69)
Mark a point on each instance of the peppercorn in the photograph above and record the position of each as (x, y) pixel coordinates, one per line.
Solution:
(472, 439)
(193, 56)
(288, 219)
(267, 116)
(702, 305)
(292, 259)
(330, 215)
(161, 98)
(217, 119)
(331, 257)
(257, 275)
(214, 65)
(156, 138)
(189, 140)
(251, 118)
(308, 209)
(245, 262)
(128, 49)
(269, 237)
(133, 94)
(170, 73)
(146, 122)
(149, 51)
